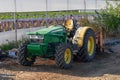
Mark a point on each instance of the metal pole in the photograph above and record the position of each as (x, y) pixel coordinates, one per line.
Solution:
(46, 13)
(85, 8)
(96, 4)
(15, 26)
(84, 5)
(67, 4)
(67, 8)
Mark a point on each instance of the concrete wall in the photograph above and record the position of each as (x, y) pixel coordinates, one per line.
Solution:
(10, 35)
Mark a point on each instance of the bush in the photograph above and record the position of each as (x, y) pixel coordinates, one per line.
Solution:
(94, 25)
(111, 17)
(84, 22)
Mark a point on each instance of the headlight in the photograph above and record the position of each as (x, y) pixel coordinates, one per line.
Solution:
(36, 37)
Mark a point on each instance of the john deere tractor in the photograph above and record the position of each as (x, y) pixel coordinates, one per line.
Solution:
(63, 43)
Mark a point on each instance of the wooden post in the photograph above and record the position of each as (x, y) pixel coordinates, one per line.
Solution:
(101, 41)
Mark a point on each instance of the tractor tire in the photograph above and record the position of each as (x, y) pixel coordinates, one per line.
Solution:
(64, 56)
(23, 58)
(88, 50)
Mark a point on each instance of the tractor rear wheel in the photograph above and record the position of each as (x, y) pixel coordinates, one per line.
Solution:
(88, 49)
(64, 56)
(23, 57)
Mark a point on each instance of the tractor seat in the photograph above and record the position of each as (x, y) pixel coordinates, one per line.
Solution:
(69, 25)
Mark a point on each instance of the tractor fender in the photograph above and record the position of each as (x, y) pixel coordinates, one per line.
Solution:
(79, 35)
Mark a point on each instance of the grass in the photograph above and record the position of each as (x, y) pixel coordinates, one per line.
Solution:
(7, 46)
(12, 44)
(52, 14)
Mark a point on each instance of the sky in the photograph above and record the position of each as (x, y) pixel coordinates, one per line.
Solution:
(52, 5)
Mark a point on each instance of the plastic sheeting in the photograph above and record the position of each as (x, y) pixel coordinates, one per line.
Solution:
(49, 5)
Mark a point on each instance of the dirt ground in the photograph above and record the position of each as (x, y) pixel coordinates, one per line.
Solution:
(105, 66)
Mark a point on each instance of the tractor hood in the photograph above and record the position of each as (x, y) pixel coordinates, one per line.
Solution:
(51, 29)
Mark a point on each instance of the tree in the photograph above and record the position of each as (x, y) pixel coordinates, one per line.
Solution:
(111, 17)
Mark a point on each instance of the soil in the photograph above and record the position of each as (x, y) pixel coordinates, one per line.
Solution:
(105, 66)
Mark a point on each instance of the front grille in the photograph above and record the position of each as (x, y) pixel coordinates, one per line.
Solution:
(37, 40)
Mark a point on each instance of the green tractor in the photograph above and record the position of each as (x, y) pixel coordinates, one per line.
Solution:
(63, 43)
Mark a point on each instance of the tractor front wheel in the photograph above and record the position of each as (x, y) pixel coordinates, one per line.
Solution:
(64, 56)
(23, 57)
